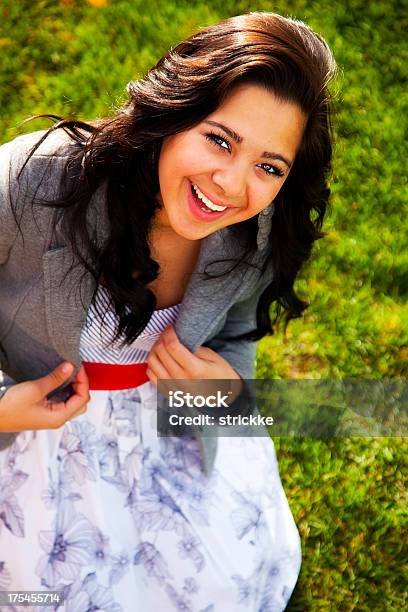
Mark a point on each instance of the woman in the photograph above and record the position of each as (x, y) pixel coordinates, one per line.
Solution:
(109, 233)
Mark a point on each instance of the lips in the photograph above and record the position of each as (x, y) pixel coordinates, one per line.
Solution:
(196, 210)
(213, 200)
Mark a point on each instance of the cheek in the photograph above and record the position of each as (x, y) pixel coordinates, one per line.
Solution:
(185, 157)
(173, 166)
(170, 161)
(263, 197)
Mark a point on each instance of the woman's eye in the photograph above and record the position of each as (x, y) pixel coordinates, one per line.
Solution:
(272, 170)
(216, 140)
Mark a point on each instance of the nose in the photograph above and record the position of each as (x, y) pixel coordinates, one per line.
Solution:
(232, 180)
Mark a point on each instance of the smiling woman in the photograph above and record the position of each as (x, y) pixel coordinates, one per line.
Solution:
(201, 172)
(108, 228)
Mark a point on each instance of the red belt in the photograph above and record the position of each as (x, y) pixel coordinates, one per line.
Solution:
(112, 376)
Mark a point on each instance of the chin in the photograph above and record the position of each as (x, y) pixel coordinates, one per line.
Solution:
(190, 234)
(186, 230)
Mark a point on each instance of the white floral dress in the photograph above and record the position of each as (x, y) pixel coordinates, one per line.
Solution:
(119, 519)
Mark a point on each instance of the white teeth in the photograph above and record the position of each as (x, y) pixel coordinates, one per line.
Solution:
(206, 201)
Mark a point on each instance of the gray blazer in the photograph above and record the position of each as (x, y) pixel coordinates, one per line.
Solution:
(42, 312)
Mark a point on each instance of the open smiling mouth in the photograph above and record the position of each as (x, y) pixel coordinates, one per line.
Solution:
(200, 208)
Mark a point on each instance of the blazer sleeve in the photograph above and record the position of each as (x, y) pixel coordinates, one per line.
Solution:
(12, 190)
(240, 354)
(6, 438)
(8, 226)
(241, 318)
(8, 229)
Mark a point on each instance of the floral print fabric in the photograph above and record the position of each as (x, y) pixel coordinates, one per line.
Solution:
(119, 519)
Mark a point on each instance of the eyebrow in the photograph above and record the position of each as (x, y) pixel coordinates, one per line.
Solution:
(238, 139)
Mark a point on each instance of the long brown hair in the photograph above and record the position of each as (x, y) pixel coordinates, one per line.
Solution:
(186, 85)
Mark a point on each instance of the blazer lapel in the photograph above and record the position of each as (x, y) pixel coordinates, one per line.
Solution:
(68, 293)
(206, 301)
(69, 290)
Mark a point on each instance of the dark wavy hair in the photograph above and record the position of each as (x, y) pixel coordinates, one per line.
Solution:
(194, 78)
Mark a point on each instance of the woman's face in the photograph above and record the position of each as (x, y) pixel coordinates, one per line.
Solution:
(238, 157)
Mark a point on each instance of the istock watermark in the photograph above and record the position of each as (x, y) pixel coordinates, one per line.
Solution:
(215, 407)
(177, 399)
(229, 420)
(321, 408)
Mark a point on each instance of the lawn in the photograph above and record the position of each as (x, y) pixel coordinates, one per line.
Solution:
(347, 495)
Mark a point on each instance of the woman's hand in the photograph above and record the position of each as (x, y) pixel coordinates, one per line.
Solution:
(24, 406)
(169, 359)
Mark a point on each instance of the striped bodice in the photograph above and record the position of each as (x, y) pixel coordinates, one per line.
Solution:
(96, 338)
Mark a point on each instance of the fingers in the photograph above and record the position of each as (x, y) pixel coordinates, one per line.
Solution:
(26, 406)
(155, 370)
(163, 366)
(80, 384)
(45, 385)
(75, 403)
(60, 412)
(169, 358)
(203, 352)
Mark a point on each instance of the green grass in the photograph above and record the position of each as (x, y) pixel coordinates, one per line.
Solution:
(347, 494)
(349, 501)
